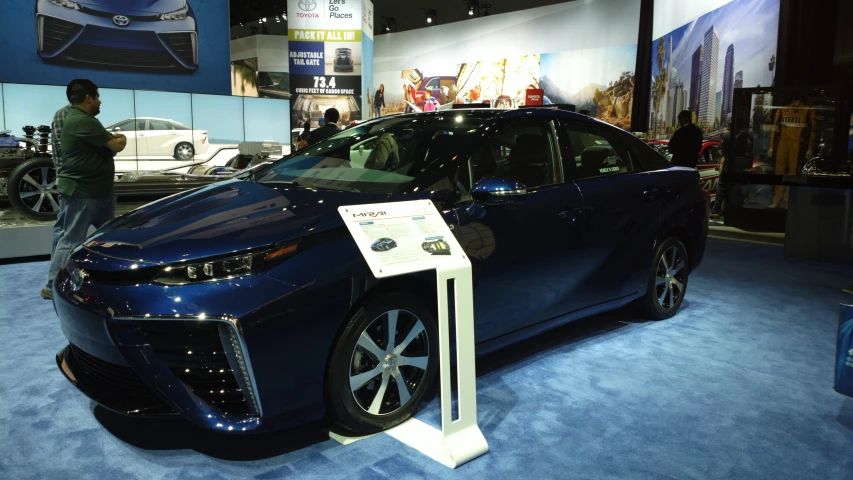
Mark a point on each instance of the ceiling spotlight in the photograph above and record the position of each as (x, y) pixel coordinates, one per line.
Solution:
(264, 20)
(430, 15)
(473, 7)
(390, 24)
(284, 16)
(277, 19)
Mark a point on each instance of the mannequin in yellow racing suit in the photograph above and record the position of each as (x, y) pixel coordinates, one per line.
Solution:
(790, 125)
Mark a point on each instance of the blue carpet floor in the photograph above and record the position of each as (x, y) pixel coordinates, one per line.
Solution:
(737, 386)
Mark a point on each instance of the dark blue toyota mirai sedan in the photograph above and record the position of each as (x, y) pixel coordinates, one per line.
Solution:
(157, 35)
(245, 305)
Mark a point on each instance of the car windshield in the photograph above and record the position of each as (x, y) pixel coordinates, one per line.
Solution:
(377, 157)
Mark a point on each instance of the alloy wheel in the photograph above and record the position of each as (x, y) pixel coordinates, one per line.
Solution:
(37, 190)
(185, 151)
(389, 362)
(670, 278)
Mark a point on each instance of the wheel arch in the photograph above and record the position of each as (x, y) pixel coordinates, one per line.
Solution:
(364, 290)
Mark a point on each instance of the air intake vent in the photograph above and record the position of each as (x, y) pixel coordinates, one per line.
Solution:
(121, 57)
(55, 33)
(114, 386)
(194, 353)
(184, 46)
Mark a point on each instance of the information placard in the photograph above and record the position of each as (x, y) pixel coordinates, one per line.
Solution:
(407, 237)
(403, 237)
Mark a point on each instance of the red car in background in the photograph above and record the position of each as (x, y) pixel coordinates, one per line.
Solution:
(708, 164)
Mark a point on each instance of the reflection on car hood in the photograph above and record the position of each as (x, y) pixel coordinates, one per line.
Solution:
(134, 6)
(223, 218)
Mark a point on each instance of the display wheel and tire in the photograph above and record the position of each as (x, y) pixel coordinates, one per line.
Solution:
(32, 189)
(184, 151)
(383, 364)
(668, 280)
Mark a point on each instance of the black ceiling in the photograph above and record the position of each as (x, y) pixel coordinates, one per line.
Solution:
(408, 14)
(244, 11)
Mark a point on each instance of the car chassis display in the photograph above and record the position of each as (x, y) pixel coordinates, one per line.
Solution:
(28, 176)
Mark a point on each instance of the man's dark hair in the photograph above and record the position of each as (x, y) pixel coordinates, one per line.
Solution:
(686, 114)
(332, 115)
(78, 89)
(584, 112)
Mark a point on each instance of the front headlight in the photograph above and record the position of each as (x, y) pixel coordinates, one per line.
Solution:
(66, 4)
(224, 268)
(178, 14)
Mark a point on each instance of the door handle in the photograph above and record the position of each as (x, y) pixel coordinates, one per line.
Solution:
(572, 214)
(651, 193)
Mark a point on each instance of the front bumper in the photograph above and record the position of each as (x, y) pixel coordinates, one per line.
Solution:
(93, 38)
(157, 365)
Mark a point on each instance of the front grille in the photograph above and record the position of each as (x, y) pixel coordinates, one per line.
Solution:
(121, 277)
(56, 33)
(120, 56)
(194, 353)
(132, 18)
(114, 386)
(184, 46)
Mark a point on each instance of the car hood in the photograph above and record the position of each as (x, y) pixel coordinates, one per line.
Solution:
(133, 6)
(222, 218)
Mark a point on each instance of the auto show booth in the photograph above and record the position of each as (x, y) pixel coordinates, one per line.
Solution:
(484, 272)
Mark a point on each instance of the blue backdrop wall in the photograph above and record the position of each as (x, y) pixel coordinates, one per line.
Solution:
(166, 45)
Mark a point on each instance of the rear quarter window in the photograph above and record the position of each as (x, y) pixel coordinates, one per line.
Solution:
(644, 156)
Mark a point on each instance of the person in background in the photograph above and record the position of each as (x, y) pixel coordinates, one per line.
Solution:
(722, 188)
(429, 103)
(686, 142)
(379, 101)
(328, 128)
(303, 137)
(85, 182)
(56, 156)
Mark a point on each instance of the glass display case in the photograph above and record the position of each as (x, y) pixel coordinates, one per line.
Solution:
(781, 139)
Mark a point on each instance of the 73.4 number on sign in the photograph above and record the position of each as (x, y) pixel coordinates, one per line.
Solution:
(320, 82)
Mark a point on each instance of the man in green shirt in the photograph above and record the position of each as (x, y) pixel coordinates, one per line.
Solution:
(85, 182)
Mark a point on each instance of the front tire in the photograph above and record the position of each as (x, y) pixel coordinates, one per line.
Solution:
(667, 280)
(375, 381)
(184, 151)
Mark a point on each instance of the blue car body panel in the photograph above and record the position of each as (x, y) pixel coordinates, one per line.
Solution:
(564, 252)
(93, 35)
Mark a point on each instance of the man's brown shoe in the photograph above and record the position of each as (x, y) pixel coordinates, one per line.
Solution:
(46, 294)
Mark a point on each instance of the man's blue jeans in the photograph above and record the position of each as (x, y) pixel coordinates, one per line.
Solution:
(57, 227)
(77, 215)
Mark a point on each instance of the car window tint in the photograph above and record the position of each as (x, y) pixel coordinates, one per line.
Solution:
(713, 154)
(158, 125)
(646, 157)
(524, 151)
(127, 126)
(179, 126)
(379, 157)
(596, 152)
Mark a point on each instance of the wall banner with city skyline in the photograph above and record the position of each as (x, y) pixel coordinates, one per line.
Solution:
(697, 66)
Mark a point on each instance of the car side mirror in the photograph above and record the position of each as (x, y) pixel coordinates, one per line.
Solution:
(498, 190)
(117, 129)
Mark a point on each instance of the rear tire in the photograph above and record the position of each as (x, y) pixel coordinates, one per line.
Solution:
(667, 280)
(362, 376)
(184, 151)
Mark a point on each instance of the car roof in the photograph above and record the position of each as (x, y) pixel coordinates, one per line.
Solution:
(511, 114)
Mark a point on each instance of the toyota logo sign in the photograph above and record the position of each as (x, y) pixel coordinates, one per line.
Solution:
(307, 5)
(121, 20)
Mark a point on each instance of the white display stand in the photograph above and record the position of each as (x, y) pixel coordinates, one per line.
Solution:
(406, 237)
